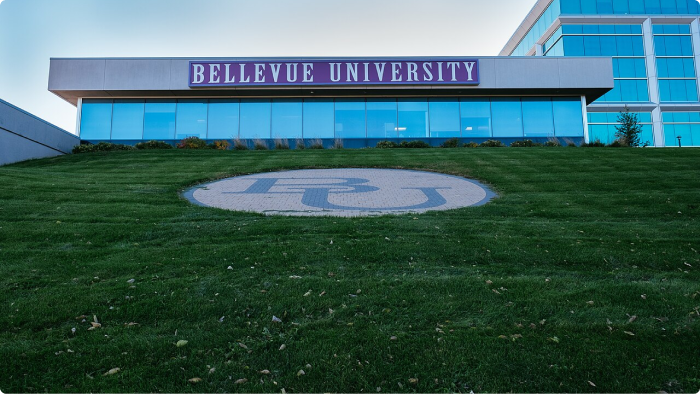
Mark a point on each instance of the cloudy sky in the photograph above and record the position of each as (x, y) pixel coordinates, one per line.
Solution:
(33, 31)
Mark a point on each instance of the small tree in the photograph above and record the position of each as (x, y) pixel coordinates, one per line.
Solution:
(629, 129)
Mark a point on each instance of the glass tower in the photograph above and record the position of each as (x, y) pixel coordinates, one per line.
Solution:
(655, 50)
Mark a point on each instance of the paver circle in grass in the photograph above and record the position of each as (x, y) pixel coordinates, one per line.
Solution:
(344, 192)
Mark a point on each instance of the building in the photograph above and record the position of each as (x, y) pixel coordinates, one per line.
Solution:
(23, 136)
(360, 101)
(655, 47)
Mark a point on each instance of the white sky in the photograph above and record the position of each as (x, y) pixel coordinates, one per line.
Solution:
(32, 31)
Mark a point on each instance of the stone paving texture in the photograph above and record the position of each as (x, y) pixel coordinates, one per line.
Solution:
(348, 192)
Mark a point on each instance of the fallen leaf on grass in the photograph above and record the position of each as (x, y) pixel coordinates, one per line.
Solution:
(276, 319)
(629, 333)
(243, 346)
(295, 277)
(644, 296)
(111, 372)
(194, 380)
(488, 282)
(283, 347)
(301, 372)
(181, 343)
(393, 338)
(322, 294)
(308, 293)
(241, 381)
(413, 381)
(591, 383)
(632, 318)
(265, 372)
(553, 339)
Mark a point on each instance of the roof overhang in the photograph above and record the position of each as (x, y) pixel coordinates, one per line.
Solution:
(73, 79)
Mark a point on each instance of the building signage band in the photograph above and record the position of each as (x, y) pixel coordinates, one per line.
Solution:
(334, 72)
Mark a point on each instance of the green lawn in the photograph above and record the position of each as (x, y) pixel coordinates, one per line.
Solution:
(583, 276)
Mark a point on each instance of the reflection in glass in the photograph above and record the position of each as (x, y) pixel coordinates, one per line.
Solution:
(96, 120)
(127, 120)
(255, 119)
(159, 120)
(413, 118)
(537, 117)
(507, 117)
(350, 118)
(286, 119)
(319, 118)
(223, 119)
(191, 119)
(444, 118)
(568, 117)
(476, 117)
(381, 118)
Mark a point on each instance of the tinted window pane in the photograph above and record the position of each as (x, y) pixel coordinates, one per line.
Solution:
(507, 118)
(191, 119)
(159, 120)
(255, 119)
(127, 120)
(286, 119)
(537, 117)
(350, 119)
(444, 118)
(476, 117)
(381, 118)
(96, 120)
(319, 118)
(568, 117)
(223, 119)
(413, 118)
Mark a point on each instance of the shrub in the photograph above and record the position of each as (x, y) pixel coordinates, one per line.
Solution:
(299, 144)
(281, 144)
(239, 144)
(417, 144)
(387, 145)
(552, 142)
(451, 143)
(593, 144)
(153, 145)
(525, 144)
(492, 144)
(618, 143)
(192, 143)
(101, 147)
(570, 143)
(337, 144)
(316, 144)
(260, 145)
(219, 145)
(471, 144)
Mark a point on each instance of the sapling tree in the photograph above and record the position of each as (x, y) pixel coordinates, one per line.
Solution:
(629, 128)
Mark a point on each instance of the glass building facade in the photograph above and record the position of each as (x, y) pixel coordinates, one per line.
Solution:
(363, 120)
(654, 46)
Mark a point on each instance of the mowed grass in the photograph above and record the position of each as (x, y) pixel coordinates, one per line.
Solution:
(583, 276)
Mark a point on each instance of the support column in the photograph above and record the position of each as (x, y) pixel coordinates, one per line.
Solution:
(653, 81)
(78, 116)
(584, 111)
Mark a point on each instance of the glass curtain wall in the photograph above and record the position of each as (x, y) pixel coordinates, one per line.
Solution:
(602, 127)
(685, 125)
(372, 118)
(625, 43)
(675, 63)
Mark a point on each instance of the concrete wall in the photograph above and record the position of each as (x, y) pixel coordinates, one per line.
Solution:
(24, 136)
(72, 79)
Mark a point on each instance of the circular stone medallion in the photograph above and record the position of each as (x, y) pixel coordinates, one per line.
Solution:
(341, 192)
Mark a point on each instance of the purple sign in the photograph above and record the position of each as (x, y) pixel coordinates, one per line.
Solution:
(334, 72)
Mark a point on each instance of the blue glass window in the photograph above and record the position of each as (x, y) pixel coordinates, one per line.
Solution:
(191, 119)
(381, 118)
(159, 120)
(223, 119)
(444, 118)
(319, 118)
(507, 118)
(350, 119)
(476, 117)
(538, 117)
(413, 118)
(255, 119)
(96, 120)
(127, 120)
(568, 117)
(286, 119)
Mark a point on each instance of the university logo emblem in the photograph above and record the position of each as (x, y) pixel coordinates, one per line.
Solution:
(341, 192)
